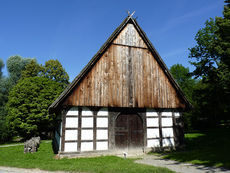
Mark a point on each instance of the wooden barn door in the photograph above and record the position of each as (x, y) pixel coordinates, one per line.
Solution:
(129, 131)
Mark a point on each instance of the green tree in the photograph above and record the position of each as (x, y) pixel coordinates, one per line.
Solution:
(223, 35)
(210, 57)
(184, 79)
(15, 66)
(188, 85)
(28, 106)
(206, 59)
(32, 69)
(4, 131)
(3, 92)
(53, 70)
(1, 67)
(223, 50)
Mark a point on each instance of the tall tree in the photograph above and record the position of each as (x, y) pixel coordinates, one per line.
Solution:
(3, 92)
(32, 69)
(1, 67)
(188, 85)
(211, 58)
(184, 79)
(15, 66)
(28, 106)
(4, 131)
(223, 50)
(206, 59)
(53, 70)
(30, 98)
(223, 35)
(2, 89)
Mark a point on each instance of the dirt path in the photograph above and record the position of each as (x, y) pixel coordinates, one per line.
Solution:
(179, 167)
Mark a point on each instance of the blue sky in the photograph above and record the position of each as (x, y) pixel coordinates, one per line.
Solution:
(72, 31)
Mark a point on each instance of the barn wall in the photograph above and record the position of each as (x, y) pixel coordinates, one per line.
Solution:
(86, 130)
(127, 75)
(90, 129)
(153, 134)
(71, 130)
(162, 127)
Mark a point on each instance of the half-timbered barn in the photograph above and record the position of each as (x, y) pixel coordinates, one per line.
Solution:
(124, 98)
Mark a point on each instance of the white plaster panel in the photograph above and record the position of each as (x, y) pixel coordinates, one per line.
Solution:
(73, 111)
(70, 147)
(87, 122)
(177, 114)
(86, 134)
(166, 121)
(86, 146)
(71, 122)
(102, 145)
(168, 142)
(167, 132)
(102, 122)
(153, 143)
(86, 111)
(103, 112)
(71, 135)
(166, 114)
(151, 112)
(152, 122)
(102, 134)
(152, 133)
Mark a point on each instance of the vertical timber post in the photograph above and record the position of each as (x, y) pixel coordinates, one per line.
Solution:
(160, 130)
(175, 135)
(64, 112)
(79, 129)
(94, 129)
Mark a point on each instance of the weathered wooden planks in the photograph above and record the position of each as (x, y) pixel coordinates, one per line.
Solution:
(127, 75)
(130, 37)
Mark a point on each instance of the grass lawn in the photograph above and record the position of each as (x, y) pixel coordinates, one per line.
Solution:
(14, 157)
(211, 148)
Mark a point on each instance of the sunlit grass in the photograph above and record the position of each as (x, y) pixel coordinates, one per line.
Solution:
(44, 159)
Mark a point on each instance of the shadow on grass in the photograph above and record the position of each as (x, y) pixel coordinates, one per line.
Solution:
(210, 148)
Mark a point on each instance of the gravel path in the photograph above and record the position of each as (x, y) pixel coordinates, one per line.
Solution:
(179, 167)
(10, 145)
(22, 170)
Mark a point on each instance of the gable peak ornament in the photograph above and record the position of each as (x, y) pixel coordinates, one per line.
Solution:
(130, 14)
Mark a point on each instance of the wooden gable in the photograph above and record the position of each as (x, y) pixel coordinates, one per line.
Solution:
(127, 72)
